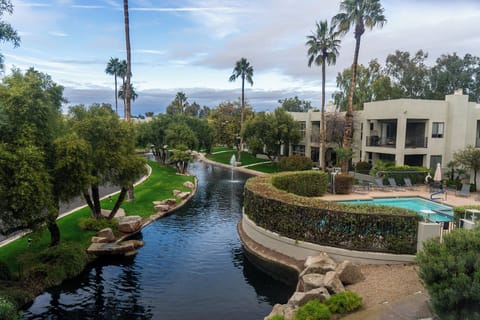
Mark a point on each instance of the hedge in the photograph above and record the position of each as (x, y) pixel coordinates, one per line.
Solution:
(305, 183)
(354, 227)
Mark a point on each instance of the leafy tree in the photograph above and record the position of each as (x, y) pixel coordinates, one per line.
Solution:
(203, 132)
(113, 68)
(360, 14)
(7, 33)
(192, 109)
(178, 134)
(450, 273)
(295, 104)
(334, 131)
(225, 121)
(469, 158)
(322, 50)
(244, 71)
(178, 105)
(112, 158)
(181, 159)
(265, 133)
(204, 112)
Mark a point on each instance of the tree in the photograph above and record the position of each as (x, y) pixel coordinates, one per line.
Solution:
(7, 33)
(225, 121)
(295, 104)
(265, 133)
(242, 70)
(179, 135)
(360, 14)
(469, 158)
(179, 104)
(192, 109)
(129, 61)
(133, 93)
(322, 49)
(113, 68)
(112, 158)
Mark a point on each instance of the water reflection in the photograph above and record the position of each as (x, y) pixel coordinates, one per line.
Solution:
(192, 267)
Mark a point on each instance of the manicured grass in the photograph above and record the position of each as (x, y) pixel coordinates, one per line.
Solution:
(265, 167)
(225, 157)
(221, 149)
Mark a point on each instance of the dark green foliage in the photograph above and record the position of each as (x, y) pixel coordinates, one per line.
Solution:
(295, 163)
(277, 317)
(357, 227)
(363, 167)
(313, 310)
(416, 174)
(344, 302)
(306, 183)
(343, 183)
(5, 273)
(92, 224)
(8, 311)
(450, 271)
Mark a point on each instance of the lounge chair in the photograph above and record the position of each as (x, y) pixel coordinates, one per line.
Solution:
(379, 184)
(465, 191)
(394, 184)
(409, 185)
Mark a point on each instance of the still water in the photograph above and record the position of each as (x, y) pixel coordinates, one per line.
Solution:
(191, 267)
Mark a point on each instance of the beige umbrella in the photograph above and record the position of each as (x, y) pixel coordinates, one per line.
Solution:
(438, 173)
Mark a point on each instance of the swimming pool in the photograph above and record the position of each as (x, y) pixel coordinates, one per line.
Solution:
(438, 212)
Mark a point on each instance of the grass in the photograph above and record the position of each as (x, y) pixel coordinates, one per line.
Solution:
(225, 157)
(221, 149)
(265, 167)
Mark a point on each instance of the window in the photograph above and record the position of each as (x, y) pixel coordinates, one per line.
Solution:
(315, 154)
(434, 160)
(437, 129)
(303, 128)
(299, 150)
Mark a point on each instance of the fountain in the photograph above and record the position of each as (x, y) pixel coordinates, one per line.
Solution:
(233, 162)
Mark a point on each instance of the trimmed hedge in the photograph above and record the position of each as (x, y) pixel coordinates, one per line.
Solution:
(295, 163)
(354, 227)
(305, 183)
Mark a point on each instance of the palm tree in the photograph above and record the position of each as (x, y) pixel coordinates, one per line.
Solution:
(133, 93)
(122, 73)
(129, 61)
(181, 99)
(242, 70)
(322, 49)
(113, 68)
(361, 14)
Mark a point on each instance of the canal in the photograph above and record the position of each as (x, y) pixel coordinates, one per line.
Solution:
(191, 267)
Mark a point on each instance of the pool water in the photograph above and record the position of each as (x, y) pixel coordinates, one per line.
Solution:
(441, 213)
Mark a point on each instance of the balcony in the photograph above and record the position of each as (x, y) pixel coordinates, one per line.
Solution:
(376, 141)
(416, 142)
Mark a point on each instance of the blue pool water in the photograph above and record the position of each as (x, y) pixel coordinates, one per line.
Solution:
(442, 213)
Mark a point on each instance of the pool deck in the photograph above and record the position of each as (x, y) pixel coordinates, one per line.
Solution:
(450, 199)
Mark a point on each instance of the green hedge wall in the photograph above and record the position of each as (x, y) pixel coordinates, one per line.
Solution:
(304, 183)
(355, 227)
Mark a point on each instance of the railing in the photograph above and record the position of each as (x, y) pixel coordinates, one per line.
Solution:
(376, 141)
(416, 142)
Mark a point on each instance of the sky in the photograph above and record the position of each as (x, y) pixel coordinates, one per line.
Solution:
(192, 45)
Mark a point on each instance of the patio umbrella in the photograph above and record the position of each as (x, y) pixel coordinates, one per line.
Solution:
(438, 174)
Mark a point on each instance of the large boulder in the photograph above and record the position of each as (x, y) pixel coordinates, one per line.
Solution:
(333, 283)
(176, 192)
(106, 233)
(169, 202)
(319, 264)
(129, 224)
(100, 240)
(120, 213)
(183, 195)
(312, 281)
(320, 258)
(349, 273)
(188, 184)
(298, 299)
(285, 310)
(162, 207)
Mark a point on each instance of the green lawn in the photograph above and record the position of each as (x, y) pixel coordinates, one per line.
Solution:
(225, 157)
(265, 167)
(221, 149)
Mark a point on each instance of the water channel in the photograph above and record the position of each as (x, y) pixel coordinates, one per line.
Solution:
(191, 267)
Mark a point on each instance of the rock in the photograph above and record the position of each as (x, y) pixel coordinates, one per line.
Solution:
(169, 202)
(321, 258)
(176, 192)
(183, 195)
(130, 253)
(136, 243)
(188, 184)
(333, 283)
(106, 233)
(120, 213)
(162, 207)
(298, 299)
(313, 281)
(321, 265)
(100, 240)
(129, 224)
(349, 273)
(285, 310)
(110, 248)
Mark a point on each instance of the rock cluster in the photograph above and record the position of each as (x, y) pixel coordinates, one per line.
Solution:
(321, 278)
(181, 194)
(104, 243)
(165, 205)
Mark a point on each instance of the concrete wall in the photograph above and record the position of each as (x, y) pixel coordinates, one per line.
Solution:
(427, 231)
(301, 250)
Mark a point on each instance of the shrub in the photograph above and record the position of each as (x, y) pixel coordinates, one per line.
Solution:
(313, 310)
(363, 167)
(277, 317)
(306, 183)
(450, 273)
(343, 183)
(92, 224)
(8, 311)
(344, 302)
(295, 163)
(5, 273)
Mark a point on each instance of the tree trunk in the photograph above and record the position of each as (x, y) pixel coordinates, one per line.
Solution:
(54, 232)
(119, 202)
(116, 94)
(88, 199)
(129, 68)
(322, 123)
(242, 116)
(97, 210)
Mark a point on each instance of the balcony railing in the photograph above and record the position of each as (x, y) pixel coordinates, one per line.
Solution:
(376, 141)
(416, 142)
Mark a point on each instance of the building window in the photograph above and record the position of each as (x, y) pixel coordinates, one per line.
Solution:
(315, 154)
(303, 128)
(299, 150)
(434, 160)
(437, 129)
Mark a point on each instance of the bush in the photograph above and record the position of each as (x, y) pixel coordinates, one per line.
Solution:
(313, 310)
(343, 184)
(295, 163)
(8, 311)
(344, 302)
(363, 167)
(92, 224)
(277, 317)
(307, 183)
(450, 273)
(5, 273)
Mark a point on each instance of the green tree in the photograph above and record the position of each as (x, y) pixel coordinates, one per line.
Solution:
(295, 104)
(113, 68)
(359, 14)
(469, 158)
(7, 33)
(322, 50)
(244, 71)
(133, 93)
(192, 109)
(179, 104)
(181, 159)
(179, 134)
(225, 121)
(266, 132)
(112, 157)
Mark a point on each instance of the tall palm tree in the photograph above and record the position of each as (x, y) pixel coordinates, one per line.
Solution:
(360, 14)
(122, 73)
(129, 61)
(181, 99)
(322, 49)
(113, 68)
(242, 70)
(133, 93)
